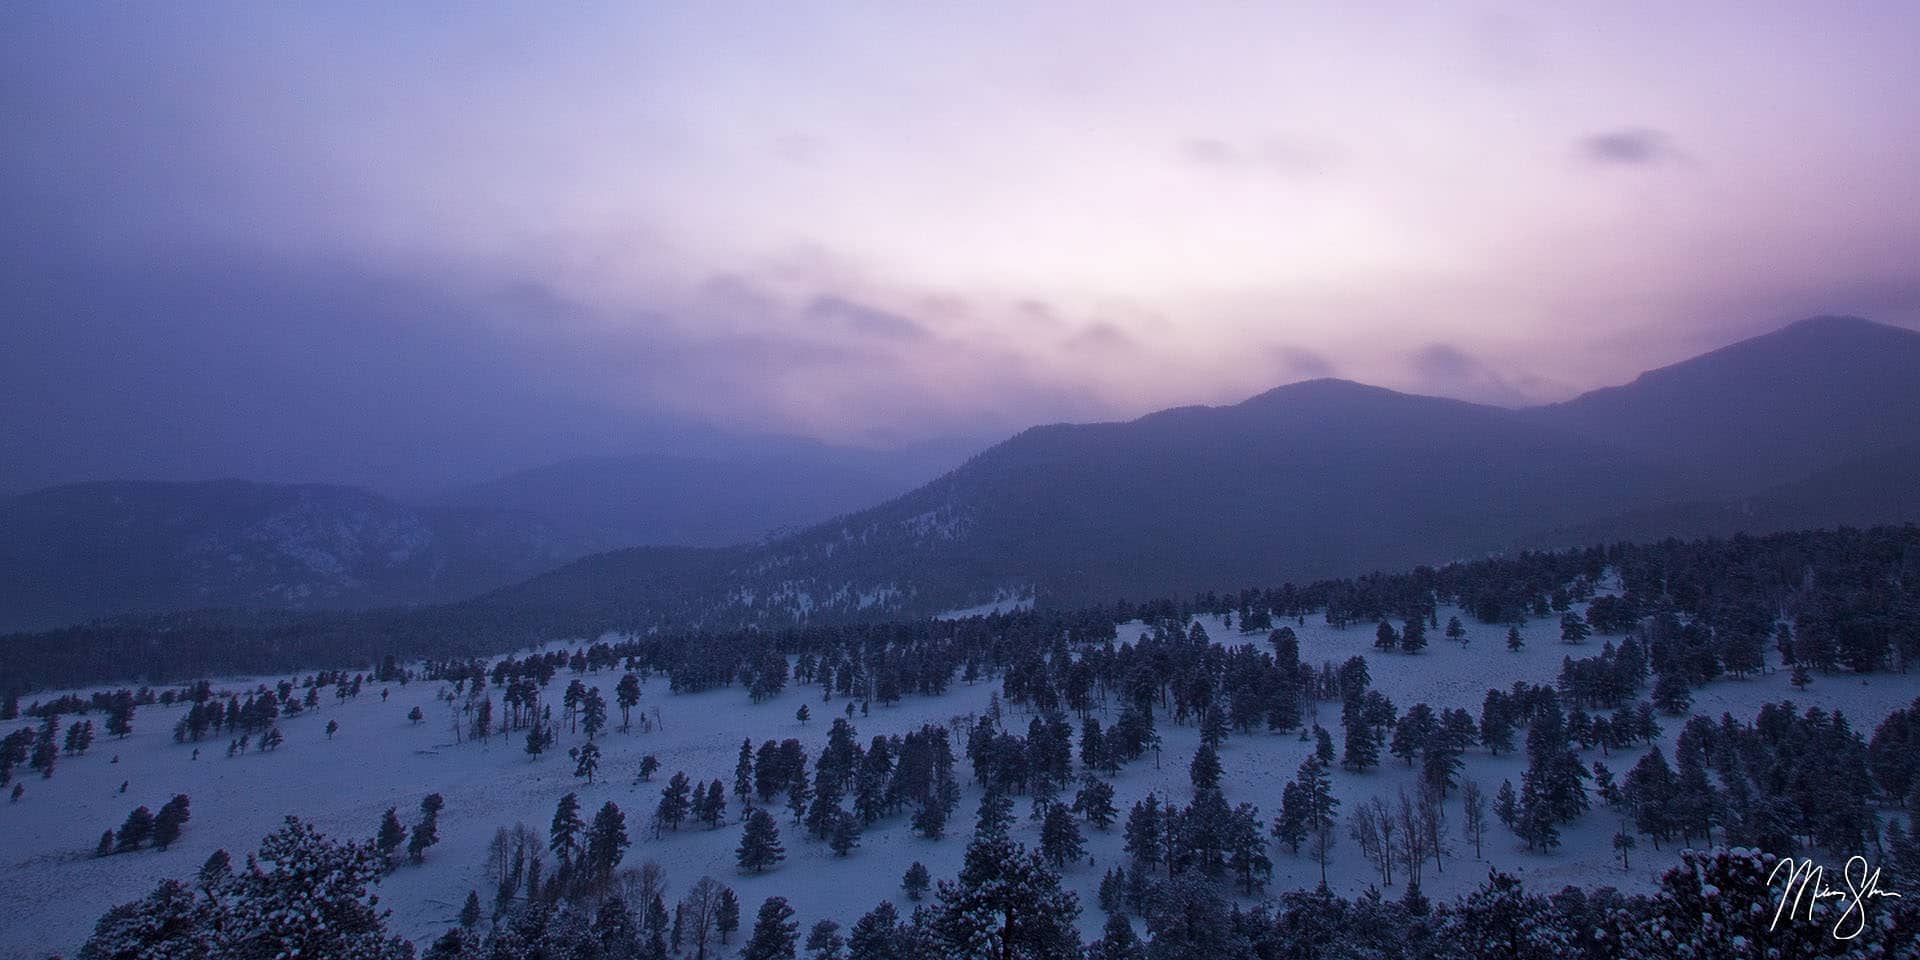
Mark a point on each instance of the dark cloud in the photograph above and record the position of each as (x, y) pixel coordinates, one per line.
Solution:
(1628, 147)
(1302, 363)
(1446, 370)
(862, 319)
(1102, 335)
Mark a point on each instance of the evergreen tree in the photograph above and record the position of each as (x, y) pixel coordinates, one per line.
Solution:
(1060, 839)
(675, 803)
(774, 932)
(564, 834)
(607, 843)
(1145, 838)
(845, 834)
(135, 831)
(726, 918)
(916, 881)
(743, 776)
(1095, 802)
(1385, 637)
(824, 942)
(760, 842)
(390, 835)
(1117, 941)
(586, 760)
(1574, 628)
(426, 832)
(167, 823)
(626, 693)
(1005, 903)
(470, 911)
(1205, 769)
(1413, 637)
(1514, 643)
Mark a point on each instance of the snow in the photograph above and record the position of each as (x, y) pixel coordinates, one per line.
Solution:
(52, 888)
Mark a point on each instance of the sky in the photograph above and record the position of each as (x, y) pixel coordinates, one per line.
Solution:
(416, 244)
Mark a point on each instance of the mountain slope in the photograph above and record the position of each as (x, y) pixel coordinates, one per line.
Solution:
(1311, 479)
(81, 551)
(659, 499)
(1766, 410)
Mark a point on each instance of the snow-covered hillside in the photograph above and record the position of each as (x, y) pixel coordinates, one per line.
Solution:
(52, 887)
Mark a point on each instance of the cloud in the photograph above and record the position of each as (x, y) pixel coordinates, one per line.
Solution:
(866, 320)
(1447, 370)
(1303, 363)
(1283, 156)
(1637, 146)
(1102, 335)
(1208, 152)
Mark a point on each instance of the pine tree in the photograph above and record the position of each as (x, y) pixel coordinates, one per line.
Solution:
(173, 815)
(845, 834)
(916, 881)
(1320, 808)
(626, 693)
(586, 760)
(1455, 631)
(426, 832)
(607, 843)
(674, 804)
(137, 828)
(390, 835)
(1384, 637)
(1006, 902)
(415, 716)
(1573, 628)
(760, 843)
(1095, 802)
(564, 833)
(1145, 838)
(1060, 839)
(824, 942)
(105, 846)
(1205, 769)
(470, 911)
(1506, 806)
(743, 776)
(774, 932)
(1117, 941)
(726, 917)
(1413, 638)
(1514, 643)
(996, 813)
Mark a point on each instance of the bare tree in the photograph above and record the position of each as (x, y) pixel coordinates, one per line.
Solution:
(1475, 819)
(1433, 823)
(701, 913)
(1413, 848)
(1372, 826)
(639, 885)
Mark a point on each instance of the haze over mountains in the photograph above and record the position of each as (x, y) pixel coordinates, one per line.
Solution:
(79, 551)
(1814, 424)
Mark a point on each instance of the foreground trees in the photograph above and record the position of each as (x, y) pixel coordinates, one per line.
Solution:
(302, 895)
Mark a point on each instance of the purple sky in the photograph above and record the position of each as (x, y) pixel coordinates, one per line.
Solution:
(339, 241)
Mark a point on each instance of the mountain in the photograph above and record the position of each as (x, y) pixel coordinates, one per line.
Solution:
(1306, 480)
(87, 550)
(660, 499)
(1882, 487)
(1807, 426)
(1764, 411)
